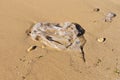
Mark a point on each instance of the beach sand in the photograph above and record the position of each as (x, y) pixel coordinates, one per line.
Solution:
(102, 59)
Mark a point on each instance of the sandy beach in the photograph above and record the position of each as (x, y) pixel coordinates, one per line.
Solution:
(102, 58)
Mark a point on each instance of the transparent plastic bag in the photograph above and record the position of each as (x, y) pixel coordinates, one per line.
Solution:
(60, 36)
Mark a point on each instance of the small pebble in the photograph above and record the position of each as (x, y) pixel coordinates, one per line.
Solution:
(31, 48)
(28, 32)
(96, 9)
(101, 39)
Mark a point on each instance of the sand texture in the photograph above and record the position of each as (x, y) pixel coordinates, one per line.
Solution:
(44, 63)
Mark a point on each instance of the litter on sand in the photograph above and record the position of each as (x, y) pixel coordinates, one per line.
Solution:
(109, 17)
(62, 36)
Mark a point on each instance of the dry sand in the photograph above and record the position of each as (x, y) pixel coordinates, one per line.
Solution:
(102, 59)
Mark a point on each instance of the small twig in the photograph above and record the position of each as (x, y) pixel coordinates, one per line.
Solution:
(83, 54)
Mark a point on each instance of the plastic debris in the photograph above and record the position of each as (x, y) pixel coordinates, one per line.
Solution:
(109, 16)
(62, 36)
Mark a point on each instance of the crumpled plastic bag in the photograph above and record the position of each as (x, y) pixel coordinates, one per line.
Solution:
(60, 36)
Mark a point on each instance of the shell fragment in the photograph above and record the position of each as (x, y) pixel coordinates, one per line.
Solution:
(101, 40)
(31, 48)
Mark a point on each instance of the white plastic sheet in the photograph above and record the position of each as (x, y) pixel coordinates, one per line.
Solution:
(60, 36)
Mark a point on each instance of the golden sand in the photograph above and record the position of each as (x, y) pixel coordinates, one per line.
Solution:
(102, 60)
